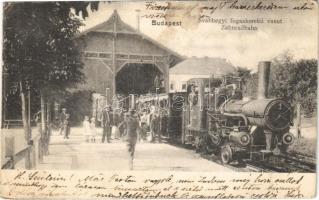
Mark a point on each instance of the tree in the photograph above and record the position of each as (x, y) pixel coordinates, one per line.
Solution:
(295, 81)
(39, 51)
(248, 81)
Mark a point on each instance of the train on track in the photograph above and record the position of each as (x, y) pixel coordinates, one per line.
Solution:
(213, 116)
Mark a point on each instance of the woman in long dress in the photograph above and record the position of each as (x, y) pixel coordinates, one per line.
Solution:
(86, 128)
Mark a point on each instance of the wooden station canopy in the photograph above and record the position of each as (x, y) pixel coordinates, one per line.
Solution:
(113, 45)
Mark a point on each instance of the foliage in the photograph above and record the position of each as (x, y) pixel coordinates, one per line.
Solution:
(248, 81)
(79, 104)
(39, 48)
(38, 45)
(40, 54)
(295, 81)
(290, 79)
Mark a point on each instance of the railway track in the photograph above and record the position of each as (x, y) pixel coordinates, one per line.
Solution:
(285, 164)
(292, 162)
(301, 162)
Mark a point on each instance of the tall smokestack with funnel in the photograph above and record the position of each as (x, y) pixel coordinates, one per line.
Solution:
(263, 79)
(262, 93)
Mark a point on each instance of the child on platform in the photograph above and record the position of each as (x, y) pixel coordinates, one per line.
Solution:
(93, 129)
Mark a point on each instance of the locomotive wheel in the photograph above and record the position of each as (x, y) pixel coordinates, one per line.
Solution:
(226, 154)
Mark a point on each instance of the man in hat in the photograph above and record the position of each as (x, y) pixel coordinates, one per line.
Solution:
(131, 123)
(62, 120)
(107, 122)
(156, 127)
(67, 126)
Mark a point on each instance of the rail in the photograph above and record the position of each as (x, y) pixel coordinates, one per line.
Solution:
(8, 123)
(12, 122)
(29, 154)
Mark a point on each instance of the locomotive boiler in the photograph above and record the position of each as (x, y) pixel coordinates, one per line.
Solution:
(217, 118)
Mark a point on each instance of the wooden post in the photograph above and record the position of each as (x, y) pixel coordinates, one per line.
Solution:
(33, 155)
(36, 151)
(29, 111)
(24, 111)
(10, 149)
(107, 96)
(38, 148)
(114, 55)
(48, 132)
(132, 102)
(43, 128)
(28, 156)
(298, 120)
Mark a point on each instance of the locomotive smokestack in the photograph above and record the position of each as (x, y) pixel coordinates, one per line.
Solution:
(263, 79)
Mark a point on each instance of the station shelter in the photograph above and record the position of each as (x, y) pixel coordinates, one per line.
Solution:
(119, 59)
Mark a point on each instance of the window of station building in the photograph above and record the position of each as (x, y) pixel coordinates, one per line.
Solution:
(184, 85)
(172, 86)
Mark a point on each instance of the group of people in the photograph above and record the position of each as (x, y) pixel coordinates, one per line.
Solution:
(129, 125)
(143, 125)
(153, 123)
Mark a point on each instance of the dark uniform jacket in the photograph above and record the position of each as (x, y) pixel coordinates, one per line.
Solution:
(62, 117)
(107, 118)
(156, 124)
(131, 124)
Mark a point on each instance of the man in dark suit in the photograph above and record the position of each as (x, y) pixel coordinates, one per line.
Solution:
(62, 120)
(132, 125)
(107, 122)
(156, 127)
(66, 126)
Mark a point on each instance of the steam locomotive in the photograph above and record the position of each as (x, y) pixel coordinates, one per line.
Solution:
(213, 116)
(216, 118)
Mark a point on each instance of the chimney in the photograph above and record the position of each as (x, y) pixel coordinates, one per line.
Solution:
(263, 79)
(138, 19)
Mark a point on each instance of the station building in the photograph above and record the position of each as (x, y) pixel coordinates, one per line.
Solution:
(119, 59)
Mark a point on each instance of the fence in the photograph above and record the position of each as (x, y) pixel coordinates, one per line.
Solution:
(29, 154)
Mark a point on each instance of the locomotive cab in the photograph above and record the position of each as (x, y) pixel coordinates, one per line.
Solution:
(194, 117)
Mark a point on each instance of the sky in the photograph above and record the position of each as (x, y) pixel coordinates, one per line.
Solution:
(297, 33)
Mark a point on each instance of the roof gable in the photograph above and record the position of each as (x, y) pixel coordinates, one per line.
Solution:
(115, 26)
